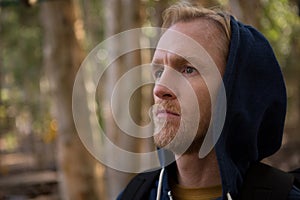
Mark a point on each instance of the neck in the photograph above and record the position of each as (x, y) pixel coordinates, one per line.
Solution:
(193, 172)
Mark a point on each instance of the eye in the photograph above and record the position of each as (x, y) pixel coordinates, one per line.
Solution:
(158, 73)
(189, 70)
(157, 70)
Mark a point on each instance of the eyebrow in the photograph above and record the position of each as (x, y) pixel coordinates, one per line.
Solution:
(175, 59)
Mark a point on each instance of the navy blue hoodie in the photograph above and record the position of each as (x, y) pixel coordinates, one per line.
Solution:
(256, 109)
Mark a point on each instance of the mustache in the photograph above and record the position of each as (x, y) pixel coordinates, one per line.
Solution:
(166, 106)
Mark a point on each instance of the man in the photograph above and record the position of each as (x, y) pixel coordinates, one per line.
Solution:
(255, 113)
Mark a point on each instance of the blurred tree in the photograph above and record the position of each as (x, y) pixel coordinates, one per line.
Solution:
(93, 18)
(121, 15)
(154, 11)
(24, 110)
(22, 104)
(62, 57)
(112, 16)
(249, 12)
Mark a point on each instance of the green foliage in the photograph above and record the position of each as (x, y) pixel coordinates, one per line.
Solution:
(278, 24)
(92, 12)
(21, 69)
(22, 45)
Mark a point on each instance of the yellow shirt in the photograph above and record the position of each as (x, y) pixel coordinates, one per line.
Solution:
(182, 193)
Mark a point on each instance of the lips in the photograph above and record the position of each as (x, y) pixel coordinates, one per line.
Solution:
(163, 112)
(166, 109)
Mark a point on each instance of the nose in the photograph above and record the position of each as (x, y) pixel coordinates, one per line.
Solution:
(163, 92)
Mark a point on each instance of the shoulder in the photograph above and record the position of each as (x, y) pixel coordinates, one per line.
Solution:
(263, 180)
(139, 186)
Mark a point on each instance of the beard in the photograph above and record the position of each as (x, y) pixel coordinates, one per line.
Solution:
(181, 135)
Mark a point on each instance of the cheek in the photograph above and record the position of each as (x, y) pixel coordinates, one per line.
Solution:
(203, 96)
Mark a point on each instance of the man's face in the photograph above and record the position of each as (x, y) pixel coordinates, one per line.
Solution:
(174, 66)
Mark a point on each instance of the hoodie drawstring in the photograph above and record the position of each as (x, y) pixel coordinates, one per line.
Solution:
(160, 183)
(228, 196)
(170, 195)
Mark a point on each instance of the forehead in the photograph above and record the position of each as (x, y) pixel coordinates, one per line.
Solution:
(187, 39)
(160, 55)
(200, 30)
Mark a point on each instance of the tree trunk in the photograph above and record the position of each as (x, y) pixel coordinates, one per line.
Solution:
(121, 15)
(156, 14)
(249, 12)
(62, 58)
(114, 179)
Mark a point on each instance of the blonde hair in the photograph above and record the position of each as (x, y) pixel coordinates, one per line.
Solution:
(186, 12)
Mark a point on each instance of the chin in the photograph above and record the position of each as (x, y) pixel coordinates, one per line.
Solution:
(179, 140)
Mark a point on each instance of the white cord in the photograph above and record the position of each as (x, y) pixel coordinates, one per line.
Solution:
(170, 195)
(229, 196)
(160, 184)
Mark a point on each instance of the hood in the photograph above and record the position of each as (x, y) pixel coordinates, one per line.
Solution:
(256, 105)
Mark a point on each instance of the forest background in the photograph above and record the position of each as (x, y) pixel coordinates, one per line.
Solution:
(43, 43)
